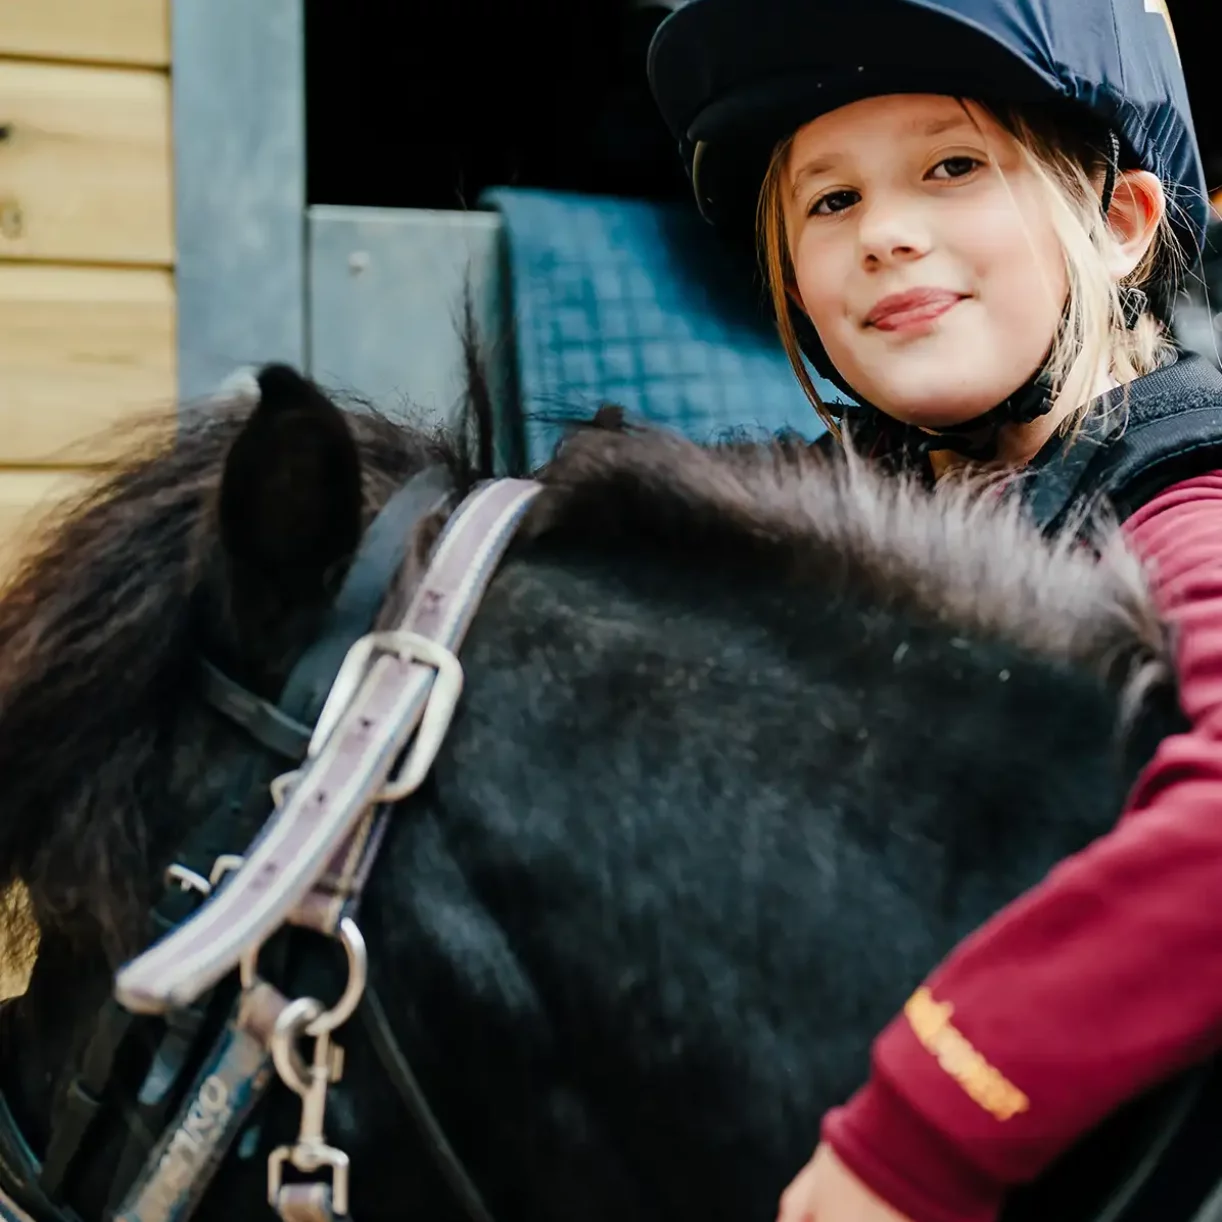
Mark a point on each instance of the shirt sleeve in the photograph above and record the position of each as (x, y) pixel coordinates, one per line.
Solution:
(1098, 983)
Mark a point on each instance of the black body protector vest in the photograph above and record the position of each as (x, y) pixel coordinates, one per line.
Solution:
(1159, 429)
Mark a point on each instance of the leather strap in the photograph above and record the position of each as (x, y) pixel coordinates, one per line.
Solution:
(285, 728)
(19, 1173)
(269, 726)
(154, 1102)
(325, 806)
(337, 893)
(399, 1071)
(355, 609)
(229, 1084)
(87, 1092)
(84, 1097)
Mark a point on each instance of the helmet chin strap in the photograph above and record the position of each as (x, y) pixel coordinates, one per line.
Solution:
(978, 438)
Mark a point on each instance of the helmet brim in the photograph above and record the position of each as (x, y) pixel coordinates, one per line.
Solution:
(753, 85)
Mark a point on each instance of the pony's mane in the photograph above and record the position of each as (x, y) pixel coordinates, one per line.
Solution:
(96, 635)
(963, 552)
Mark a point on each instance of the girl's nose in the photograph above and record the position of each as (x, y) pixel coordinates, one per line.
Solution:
(892, 231)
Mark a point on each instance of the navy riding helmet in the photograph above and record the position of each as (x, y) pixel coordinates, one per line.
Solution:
(734, 77)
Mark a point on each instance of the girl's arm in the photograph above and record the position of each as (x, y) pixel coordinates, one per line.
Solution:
(1098, 983)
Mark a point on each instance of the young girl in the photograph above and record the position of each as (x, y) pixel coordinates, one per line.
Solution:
(973, 214)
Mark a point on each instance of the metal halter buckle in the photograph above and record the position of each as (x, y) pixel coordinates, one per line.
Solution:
(430, 734)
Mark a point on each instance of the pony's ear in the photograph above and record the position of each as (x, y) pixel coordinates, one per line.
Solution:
(290, 496)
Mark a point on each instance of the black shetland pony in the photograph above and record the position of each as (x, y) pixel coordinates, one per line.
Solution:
(749, 739)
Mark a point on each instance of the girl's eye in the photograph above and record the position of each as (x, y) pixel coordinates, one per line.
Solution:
(833, 201)
(956, 167)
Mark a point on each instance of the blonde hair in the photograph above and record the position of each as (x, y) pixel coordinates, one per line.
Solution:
(1093, 333)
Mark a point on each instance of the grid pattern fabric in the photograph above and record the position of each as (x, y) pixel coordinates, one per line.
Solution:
(639, 304)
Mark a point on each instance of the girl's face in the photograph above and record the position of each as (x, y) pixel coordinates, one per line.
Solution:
(924, 255)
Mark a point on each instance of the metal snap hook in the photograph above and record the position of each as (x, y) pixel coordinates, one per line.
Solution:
(353, 942)
(311, 1151)
(291, 1025)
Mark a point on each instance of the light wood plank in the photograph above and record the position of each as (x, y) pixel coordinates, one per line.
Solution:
(82, 350)
(104, 31)
(85, 169)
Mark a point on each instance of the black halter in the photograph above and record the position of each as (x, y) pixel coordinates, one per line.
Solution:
(281, 731)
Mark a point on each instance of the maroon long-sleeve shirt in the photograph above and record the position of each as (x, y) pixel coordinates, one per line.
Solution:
(1099, 982)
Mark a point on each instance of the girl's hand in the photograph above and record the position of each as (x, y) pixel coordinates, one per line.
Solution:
(825, 1190)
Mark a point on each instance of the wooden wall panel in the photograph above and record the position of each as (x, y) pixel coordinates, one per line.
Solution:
(85, 164)
(101, 31)
(82, 349)
(88, 299)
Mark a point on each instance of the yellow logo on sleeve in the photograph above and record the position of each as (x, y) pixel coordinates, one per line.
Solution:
(984, 1085)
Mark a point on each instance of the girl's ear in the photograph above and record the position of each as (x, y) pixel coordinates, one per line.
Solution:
(1137, 210)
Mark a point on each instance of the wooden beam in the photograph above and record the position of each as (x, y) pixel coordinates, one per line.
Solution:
(85, 164)
(83, 350)
(133, 32)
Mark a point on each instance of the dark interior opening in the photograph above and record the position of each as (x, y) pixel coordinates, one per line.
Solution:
(1199, 50)
(425, 105)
